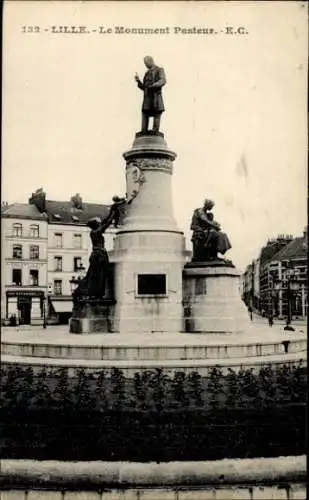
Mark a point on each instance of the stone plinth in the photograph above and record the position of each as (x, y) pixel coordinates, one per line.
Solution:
(212, 300)
(149, 244)
(92, 316)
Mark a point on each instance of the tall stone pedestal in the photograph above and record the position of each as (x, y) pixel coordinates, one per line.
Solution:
(149, 249)
(212, 301)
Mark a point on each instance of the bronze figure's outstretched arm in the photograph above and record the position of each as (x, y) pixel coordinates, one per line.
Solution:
(107, 221)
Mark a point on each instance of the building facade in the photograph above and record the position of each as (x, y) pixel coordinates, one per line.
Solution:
(23, 263)
(44, 244)
(267, 280)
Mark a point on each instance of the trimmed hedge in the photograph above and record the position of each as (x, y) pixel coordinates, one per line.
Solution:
(154, 416)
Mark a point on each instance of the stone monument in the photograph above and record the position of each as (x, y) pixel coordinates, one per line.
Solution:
(143, 305)
(149, 249)
(146, 287)
(211, 283)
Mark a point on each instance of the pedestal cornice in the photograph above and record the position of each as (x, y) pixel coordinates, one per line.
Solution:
(149, 145)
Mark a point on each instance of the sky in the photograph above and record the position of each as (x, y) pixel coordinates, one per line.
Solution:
(236, 111)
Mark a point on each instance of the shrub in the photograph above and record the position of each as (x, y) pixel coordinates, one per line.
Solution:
(118, 389)
(195, 390)
(159, 389)
(100, 392)
(62, 395)
(82, 395)
(42, 395)
(179, 391)
(215, 388)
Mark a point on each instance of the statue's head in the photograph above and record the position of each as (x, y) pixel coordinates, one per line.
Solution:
(149, 62)
(94, 223)
(208, 204)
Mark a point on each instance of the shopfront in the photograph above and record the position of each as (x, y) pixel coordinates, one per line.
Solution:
(27, 306)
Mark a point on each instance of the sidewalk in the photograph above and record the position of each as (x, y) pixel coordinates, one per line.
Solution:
(257, 318)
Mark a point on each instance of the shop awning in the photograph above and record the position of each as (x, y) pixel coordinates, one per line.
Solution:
(62, 306)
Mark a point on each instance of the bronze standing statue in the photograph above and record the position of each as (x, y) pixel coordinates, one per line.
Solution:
(207, 238)
(94, 284)
(152, 84)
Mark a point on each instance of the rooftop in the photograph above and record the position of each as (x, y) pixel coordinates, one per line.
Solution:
(296, 249)
(22, 211)
(63, 212)
(57, 212)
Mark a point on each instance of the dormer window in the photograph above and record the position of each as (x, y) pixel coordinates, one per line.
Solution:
(57, 216)
(75, 218)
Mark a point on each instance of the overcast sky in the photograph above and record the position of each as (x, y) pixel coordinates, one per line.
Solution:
(235, 108)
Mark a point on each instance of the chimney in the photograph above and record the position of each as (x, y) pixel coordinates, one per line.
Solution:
(77, 201)
(38, 198)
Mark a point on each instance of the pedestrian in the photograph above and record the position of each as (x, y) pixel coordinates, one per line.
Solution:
(250, 313)
(270, 320)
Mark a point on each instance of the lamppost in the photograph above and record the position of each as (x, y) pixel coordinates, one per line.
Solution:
(45, 306)
(44, 311)
(290, 284)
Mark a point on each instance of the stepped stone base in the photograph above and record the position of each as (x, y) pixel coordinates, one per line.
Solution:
(135, 353)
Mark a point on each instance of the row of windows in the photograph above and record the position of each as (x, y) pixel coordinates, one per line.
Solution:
(77, 263)
(58, 240)
(17, 277)
(34, 280)
(34, 252)
(34, 230)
